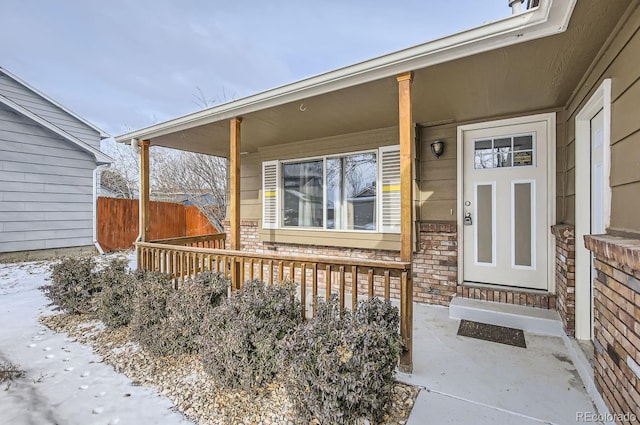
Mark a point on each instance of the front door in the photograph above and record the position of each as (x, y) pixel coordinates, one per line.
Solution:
(505, 200)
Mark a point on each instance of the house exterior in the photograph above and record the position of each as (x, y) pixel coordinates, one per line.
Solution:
(48, 156)
(533, 201)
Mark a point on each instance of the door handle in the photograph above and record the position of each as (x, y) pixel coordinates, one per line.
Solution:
(467, 219)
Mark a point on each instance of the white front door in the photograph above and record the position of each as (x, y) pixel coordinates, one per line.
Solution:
(505, 201)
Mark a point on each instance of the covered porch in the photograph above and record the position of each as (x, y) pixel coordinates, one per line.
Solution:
(521, 66)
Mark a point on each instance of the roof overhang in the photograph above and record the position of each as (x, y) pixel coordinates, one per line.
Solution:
(20, 81)
(549, 18)
(101, 158)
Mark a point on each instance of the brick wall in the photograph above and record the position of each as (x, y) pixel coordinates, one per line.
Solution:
(435, 265)
(565, 276)
(617, 322)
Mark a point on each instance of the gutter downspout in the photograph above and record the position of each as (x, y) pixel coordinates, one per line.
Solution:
(516, 6)
(96, 181)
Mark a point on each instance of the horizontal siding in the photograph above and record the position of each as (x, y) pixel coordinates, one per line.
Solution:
(438, 176)
(620, 62)
(48, 111)
(46, 188)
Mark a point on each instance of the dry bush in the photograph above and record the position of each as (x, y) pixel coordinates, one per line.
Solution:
(167, 321)
(240, 337)
(72, 285)
(114, 304)
(339, 368)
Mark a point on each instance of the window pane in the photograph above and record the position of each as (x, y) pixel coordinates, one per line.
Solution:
(351, 192)
(502, 151)
(483, 157)
(302, 194)
(523, 226)
(484, 225)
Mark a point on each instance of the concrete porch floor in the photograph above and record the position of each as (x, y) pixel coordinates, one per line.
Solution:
(469, 381)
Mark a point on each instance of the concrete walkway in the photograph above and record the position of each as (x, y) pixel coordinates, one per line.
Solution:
(469, 381)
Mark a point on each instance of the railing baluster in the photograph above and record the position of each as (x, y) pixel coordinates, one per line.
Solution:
(327, 283)
(370, 282)
(241, 280)
(251, 269)
(387, 285)
(354, 288)
(270, 272)
(303, 290)
(280, 271)
(342, 285)
(261, 270)
(314, 288)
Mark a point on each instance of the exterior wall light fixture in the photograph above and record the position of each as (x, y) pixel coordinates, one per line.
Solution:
(437, 148)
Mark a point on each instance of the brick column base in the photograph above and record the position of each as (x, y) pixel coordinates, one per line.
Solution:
(565, 275)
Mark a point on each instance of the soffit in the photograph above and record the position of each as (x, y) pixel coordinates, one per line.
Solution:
(520, 78)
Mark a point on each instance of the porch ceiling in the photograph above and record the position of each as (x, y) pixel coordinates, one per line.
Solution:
(531, 76)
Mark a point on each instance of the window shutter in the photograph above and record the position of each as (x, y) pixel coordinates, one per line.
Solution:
(390, 189)
(269, 194)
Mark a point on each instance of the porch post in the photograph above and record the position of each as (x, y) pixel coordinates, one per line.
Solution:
(405, 124)
(144, 191)
(234, 219)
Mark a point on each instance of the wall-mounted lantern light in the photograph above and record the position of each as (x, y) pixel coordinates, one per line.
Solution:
(437, 148)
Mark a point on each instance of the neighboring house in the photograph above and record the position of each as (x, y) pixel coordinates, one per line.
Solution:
(48, 156)
(539, 117)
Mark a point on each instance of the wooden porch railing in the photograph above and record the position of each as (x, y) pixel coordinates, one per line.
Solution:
(214, 240)
(184, 257)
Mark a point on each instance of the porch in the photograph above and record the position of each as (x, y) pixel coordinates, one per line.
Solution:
(314, 277)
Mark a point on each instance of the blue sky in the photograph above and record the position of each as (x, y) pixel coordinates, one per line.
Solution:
(125, 64)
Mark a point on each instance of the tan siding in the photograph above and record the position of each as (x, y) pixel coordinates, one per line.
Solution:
(620, 62)
(624, 111)
(365, 140)
(329, 238)
(250, 187)
(625, 154)
(625, 204)
(438, 177)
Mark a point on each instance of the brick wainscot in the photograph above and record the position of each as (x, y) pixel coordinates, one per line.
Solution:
(435, 263)
(617, 321)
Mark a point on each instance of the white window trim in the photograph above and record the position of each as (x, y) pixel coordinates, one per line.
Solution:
(280, 197)
(601, 99)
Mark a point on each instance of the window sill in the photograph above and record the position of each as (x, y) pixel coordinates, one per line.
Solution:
(334, 238)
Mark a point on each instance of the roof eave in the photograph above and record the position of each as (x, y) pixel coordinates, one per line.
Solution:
(100, 157)
(549, 18)
(102, 133)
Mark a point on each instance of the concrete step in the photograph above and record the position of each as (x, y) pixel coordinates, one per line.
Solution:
(529, 319)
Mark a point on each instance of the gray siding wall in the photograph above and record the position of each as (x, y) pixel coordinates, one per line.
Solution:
(48, 111)
(46, 188)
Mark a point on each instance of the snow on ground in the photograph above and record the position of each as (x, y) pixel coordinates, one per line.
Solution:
(64, 382)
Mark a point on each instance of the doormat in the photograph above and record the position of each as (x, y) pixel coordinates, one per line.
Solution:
(492, 333)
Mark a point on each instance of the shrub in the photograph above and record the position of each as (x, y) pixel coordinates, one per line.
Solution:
(114, 304)
(150, 313)
(341, 368)
(240, 338)
(189, 306)
(72, 285)
(167, 321)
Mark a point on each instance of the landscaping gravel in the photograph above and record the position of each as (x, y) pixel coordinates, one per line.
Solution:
(183, 380)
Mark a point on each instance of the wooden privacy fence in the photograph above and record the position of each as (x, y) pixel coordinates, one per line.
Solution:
(346, 277)
(118, 222)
